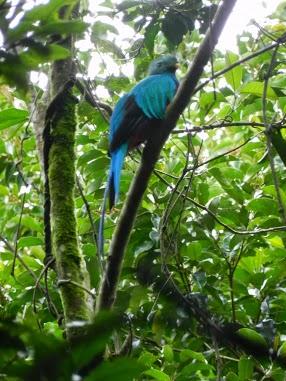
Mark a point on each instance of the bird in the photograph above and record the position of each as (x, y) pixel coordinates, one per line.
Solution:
(134, 117)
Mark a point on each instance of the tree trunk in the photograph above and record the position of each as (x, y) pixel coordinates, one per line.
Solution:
(73, 279)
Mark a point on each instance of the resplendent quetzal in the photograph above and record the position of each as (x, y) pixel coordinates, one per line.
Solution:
(134, 117)
(137, 114)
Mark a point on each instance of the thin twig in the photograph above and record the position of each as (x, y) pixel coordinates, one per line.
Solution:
(229, 228)
(62, 282)
(18, 234)
(88, 210)
(52, 308)
(268, 139)
(221, 125)
(235, 64)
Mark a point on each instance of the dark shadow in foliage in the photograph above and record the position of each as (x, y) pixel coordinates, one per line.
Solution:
(234, 336)
(278, 143)
(174, 18)
(30, 355)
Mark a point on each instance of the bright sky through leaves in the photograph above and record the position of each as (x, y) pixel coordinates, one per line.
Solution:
(244, 11)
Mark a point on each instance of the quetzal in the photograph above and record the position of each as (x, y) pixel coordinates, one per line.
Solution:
(135, 116)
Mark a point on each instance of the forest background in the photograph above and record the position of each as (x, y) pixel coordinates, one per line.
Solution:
(193, 285)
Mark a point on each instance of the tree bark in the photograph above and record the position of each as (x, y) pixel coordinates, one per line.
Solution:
(73, 279)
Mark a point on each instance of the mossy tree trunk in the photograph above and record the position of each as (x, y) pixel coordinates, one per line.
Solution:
(73, 277)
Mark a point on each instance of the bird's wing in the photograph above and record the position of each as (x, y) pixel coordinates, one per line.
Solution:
(154, 93)
(133, 113)
(125, 124)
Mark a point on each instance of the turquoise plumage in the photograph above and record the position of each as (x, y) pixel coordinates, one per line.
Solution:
(134, 117)
(137, 113)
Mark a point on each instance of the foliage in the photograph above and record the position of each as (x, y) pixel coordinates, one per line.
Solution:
(33, 40)
(27, 355)
(208, 219)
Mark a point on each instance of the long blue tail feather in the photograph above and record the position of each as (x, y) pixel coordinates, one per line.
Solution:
(117, 159)
(100, 239)
(111, 189)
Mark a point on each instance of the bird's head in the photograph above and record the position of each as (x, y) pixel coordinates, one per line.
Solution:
(164, 64)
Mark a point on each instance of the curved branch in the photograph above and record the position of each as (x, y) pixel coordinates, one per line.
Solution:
(150, 156)
(237, 63)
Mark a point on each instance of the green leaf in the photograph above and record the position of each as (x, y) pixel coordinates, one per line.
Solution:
(232, 377)
(117, 83)
(282, 351)
(245, 368)
(37, 55)
(263, 206)
(229, 187)
(174, 27)
(188, 354)
(47, 11)
(29, 241)
(168, 353)
(192, 251)
(150, 35)
(31, 223)
(126, 4)
(12, 116)
(4, 190)
(11, 64)
(62, 27)
(121, 369)
(147, 359)
(89, 250)
(197, 367)
(279, 144)
(20, 30)
(257, 88)
(157, 375)
(252, 336)
(89, 156)
(234, 76)
(100, 29)
(109, 47)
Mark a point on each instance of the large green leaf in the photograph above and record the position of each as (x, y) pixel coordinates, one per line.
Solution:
(62, 27)
(12, 116)
(29, 241)
(234, 76)
(245, 368)
(158, 375)
(257, 88)
(46, 12)
(37, 55)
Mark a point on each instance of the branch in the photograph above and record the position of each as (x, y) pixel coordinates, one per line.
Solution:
(83, 88)
(223, 124)
(213, 215)
(237, 63)
(150, 156)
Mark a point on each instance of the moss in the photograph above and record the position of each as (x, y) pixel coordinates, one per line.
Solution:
(69, 260)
